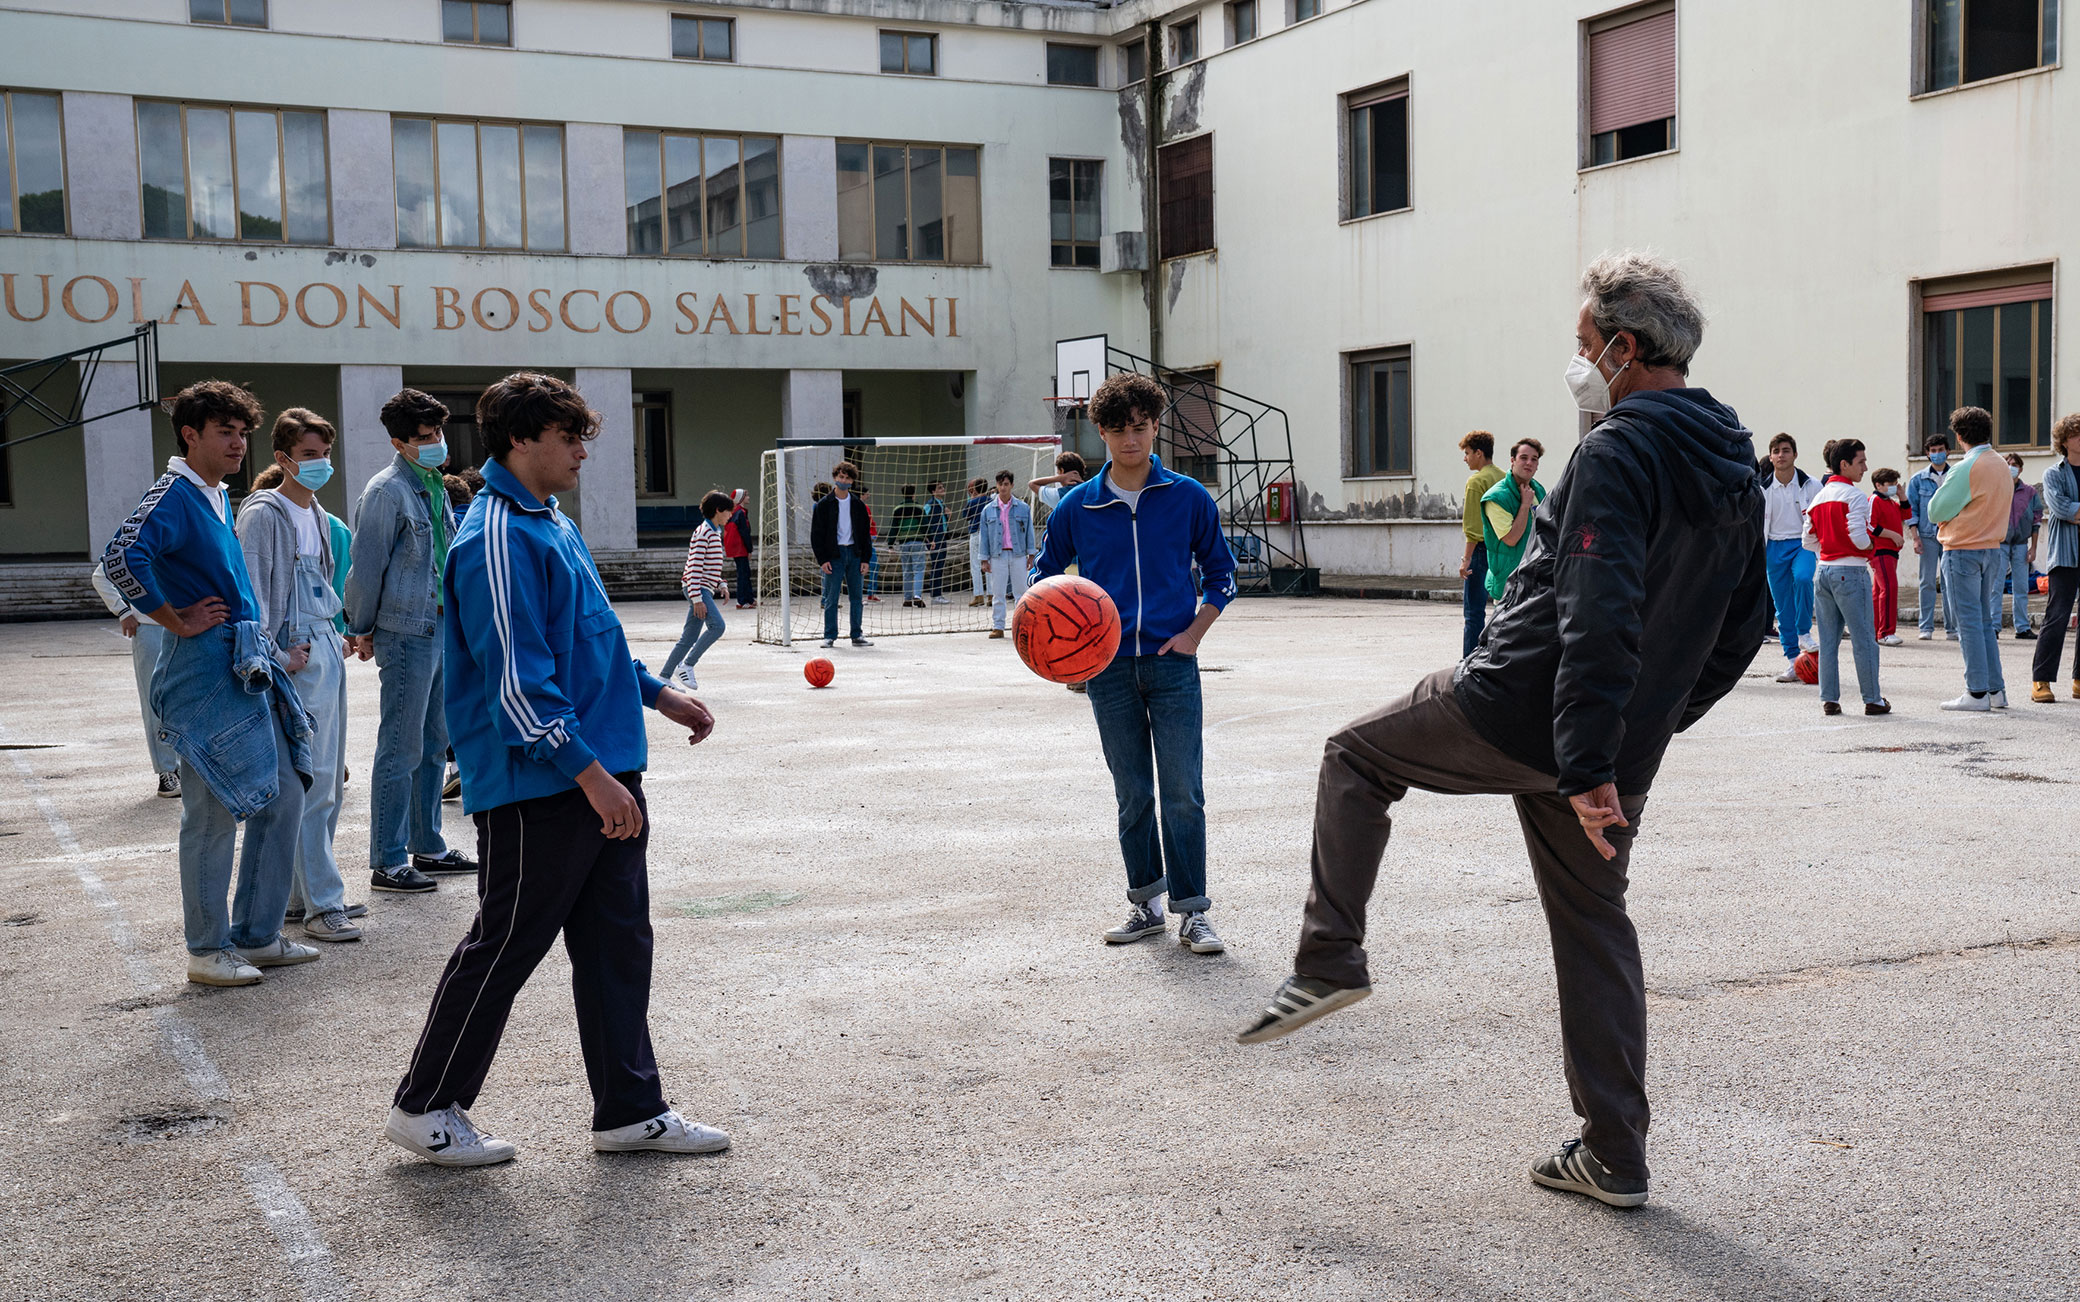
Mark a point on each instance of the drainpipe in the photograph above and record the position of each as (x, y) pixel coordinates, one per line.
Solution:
(1158, 78)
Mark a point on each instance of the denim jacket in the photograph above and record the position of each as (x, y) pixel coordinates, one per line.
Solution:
(219, 696)
(2062, 510)
(391, 581)
(991, 528)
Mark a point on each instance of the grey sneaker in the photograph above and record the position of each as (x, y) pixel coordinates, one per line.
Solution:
(1196, 934)
(169, 786)
(282, 953)
(1300, 1000)
(860, 641)
(1144, 919)
(1576, 1169)
(331, 925)
(223, 968)
(829, 643)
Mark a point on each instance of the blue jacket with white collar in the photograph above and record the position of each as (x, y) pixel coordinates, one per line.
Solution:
(540, 682)
(1142, 556)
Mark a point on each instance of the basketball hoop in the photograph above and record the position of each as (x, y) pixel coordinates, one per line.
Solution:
(1069, 404)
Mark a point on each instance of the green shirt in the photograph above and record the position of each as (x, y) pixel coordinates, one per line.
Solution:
(437, 510)
(1477, 485)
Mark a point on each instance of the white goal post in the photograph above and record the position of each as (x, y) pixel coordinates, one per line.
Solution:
(922, 580)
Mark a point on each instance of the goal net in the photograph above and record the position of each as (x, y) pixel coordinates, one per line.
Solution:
(923, 579)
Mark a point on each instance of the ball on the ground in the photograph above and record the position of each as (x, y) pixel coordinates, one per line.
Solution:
(819, 672)
(1807, 667)
(1066, 629)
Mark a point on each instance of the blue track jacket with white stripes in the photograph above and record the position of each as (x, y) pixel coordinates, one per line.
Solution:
(540, 682)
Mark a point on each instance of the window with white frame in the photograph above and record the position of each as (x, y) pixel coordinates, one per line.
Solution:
(1380, 441)
(1973, 40)
(1073, 192)
(1377, 142)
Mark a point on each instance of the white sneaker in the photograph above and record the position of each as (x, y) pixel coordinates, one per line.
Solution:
(1890, 639)
(1790, 675)
(1809, 642)
(682, 678)
(1925, 637)
(1969, 702)
(281, 953)
(223, 968)
(942, 601)
(446, 1138)
(1999, 700)
(668, 1132)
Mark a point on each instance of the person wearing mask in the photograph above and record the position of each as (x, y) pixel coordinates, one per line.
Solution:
(1477, 449)
(394, 613)
(736, 546)
(971, 511)
(1506, 514)
(2019, 548)
(146, 640)
(1641, 610)
(287, 541)
(839, 538)
(1838, 529)
(906, 526)
(2061, 559)
(701, 581)
(1888, 535)
(1007, 536)
(1786, 493)
(1971, 515)
(1928, 546)
(935, 530)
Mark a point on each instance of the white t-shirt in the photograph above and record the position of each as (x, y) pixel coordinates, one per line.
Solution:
(1784, 506)
(1133, 499)
(845, 521)
(310, 527)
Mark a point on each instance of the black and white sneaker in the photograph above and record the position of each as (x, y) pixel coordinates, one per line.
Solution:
(446, 1137)
(1577, 1170)
(405, 880)
(1142, 920)
(169, 786)
(454, 861)
(1300, 1000)
(452, 788)
(1196, 934)
(860, 641)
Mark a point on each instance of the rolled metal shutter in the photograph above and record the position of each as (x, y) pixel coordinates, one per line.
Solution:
(1632, 74)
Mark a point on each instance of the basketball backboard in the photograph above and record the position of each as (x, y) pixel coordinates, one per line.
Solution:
(1079, 368)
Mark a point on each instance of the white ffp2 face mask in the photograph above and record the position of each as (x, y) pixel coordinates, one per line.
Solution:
(1592, 393)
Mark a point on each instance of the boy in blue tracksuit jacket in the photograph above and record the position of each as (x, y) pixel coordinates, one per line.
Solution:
(1135, 531)
(545, 708)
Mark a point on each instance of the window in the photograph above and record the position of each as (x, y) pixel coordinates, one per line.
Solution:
(213, 173)
(1184, 42)
(231, 13)
(1378, 151)
(909, 203)
(1184, 193)
(713, 39)
(1072, 210)
(476, 22)
(702, 196)
(1072, 65)
(910, 52)
(1306, 9)
(1971, 40)
(1133, 63)
(1381, 441)
(477, 185)
(1986, 342)
(1190, 439)
(1632, 85)
(32, 164)
(653, 413)
(1242, 21)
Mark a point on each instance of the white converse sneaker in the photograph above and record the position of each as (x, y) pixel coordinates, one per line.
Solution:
(1971, 703)
(667, 1132)
(281, 953)
(446, 1138)
(223, 968)
(1998, 700)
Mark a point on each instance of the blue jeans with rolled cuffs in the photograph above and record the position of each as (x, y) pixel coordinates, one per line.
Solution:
(1842, 601)
(1149, 717)
(265, 863)
(411, 751)
(700, 633)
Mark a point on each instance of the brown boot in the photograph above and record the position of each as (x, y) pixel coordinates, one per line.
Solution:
(2041, 693)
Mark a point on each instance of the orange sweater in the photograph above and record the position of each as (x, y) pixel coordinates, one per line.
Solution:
(1982, 521)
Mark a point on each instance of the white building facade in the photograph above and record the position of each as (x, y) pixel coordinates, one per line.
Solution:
(730, 224)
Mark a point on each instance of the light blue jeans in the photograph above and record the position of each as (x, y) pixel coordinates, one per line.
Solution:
(323, 687)
(411, 751)
(1931, 559)
(913, 570)
(1972, 582)
(698, 635)
(265, 863)
(2018, 584)
(1842, 599)
(144, 654)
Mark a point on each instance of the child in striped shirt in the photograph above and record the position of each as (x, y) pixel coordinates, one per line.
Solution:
(701, 581)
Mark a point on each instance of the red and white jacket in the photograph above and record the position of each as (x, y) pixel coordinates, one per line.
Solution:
(1838, 524)
(703, 572)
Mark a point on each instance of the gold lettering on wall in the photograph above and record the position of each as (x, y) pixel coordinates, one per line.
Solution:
(137, 316)
(245, 303)
(363, 300)
(486, 320)
(816, 306)
(13, 311)
(339, 305)
(928, 324)
(615, 321)
(563, 310)
(115, 300)
(721, 309)
(185, 301)
(538, 303)
(447, 299)
(788, 313)
(875, 314)
(690, 308)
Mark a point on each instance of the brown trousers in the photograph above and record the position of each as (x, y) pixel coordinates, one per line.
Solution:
(1425, 740)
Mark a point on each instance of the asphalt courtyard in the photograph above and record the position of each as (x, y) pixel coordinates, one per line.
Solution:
(878, 965)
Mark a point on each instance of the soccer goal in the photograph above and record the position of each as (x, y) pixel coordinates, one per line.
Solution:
(921, 550)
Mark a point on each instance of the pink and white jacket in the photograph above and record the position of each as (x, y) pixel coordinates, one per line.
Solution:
(1838, 524)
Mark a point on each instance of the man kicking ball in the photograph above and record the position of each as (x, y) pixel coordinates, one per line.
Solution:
(1641, 601)
(545, 708)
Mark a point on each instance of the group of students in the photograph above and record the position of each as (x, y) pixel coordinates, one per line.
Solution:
(1497, 515)
(1833, 556)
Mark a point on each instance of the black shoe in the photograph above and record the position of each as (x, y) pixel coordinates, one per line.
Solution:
(292, 914)
(860, 641)
(1296, 1002)
(401, 881)
(454, 861)
(1575, 1169)
(452, 789)
(1830, 707)
(1879, 706)
(2026, 635)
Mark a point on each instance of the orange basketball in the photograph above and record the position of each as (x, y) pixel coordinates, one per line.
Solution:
(819, 672)
(1066, 629)
(1807, 667)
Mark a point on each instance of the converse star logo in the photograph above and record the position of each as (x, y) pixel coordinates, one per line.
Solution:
(438, 1142)
(653, 1129)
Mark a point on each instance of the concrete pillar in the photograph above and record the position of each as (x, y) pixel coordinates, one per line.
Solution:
(812, 405)
(364, 445)
(608, 484)
(101, 166)
(597, 220)
(118, 452)
(364, 185)
(809, 210)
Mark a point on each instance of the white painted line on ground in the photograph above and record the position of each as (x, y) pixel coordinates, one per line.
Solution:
(303, 1247)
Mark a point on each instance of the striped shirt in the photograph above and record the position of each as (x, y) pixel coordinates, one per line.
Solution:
(703, 572)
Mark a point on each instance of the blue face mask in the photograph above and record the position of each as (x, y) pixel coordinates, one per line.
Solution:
(1938, 458)
(314, 474)
(431, 455)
